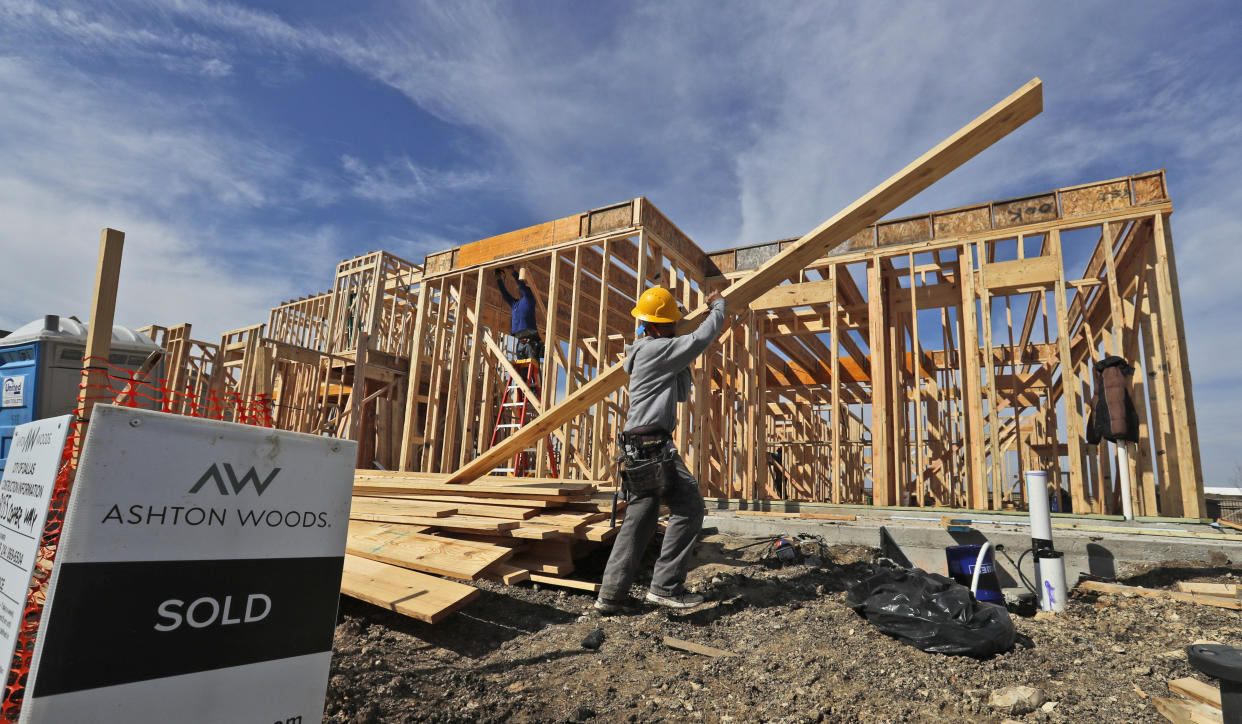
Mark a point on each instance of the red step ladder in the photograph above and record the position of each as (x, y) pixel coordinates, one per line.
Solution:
(515, 411)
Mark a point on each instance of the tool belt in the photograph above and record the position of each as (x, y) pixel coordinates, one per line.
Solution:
(646, 461)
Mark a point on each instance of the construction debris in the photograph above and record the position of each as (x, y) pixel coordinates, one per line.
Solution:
(694, 648)
(1119, 590)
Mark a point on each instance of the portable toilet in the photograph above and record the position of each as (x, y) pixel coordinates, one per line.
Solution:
(41, 369)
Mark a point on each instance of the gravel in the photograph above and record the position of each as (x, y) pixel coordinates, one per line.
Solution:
(516, 654)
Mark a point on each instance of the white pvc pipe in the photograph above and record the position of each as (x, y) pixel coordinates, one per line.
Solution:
(974, 579)
(1037, 504)
(1052, 590)
(1123, 479)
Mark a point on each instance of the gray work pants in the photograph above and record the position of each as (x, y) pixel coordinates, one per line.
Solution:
(685, 506)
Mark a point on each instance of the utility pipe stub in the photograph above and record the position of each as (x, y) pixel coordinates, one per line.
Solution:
(1217, 660)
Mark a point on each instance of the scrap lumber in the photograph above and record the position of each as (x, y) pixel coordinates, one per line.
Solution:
(1199, 691)
(694, 648)
(1117, 589)
(1183, 711)
(982, 132)
(401, 546)
(409, 593)
(564, 582)
(1223, 590)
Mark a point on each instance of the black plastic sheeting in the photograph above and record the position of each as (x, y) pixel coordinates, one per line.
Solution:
(931, 613)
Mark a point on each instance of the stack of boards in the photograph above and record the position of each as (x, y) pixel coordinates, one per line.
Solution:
(413, 537)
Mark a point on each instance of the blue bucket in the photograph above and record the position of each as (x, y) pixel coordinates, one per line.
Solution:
(961, 561)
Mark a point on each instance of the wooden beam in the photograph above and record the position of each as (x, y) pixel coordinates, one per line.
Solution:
(99, 332)
(982, 132)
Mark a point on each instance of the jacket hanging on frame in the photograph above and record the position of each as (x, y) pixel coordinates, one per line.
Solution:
(1113, 416)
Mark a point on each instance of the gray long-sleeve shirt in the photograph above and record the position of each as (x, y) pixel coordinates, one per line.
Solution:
(659, 371)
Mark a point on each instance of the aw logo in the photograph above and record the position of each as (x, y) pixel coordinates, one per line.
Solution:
(237, 484)
(28, 441)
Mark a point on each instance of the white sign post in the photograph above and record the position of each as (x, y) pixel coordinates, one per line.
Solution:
(25, 493)
(197, 576)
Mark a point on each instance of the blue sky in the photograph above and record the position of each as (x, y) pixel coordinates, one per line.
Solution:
(246, 148)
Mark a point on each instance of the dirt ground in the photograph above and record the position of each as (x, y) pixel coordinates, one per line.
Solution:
(515, 654)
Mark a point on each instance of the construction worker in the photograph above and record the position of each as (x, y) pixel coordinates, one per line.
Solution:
(658, 363)
(521, 316)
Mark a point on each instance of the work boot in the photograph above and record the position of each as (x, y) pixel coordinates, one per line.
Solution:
(681, 600)
(608, 607)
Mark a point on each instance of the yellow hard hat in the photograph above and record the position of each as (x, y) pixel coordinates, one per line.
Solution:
(657, 305)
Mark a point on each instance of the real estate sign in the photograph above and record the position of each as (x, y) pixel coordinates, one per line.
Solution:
(25, 492)
(197, 577)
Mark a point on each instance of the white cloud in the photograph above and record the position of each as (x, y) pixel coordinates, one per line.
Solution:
(402, 180)
(77, 161)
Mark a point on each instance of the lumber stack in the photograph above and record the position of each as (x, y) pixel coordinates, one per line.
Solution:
(416, 541)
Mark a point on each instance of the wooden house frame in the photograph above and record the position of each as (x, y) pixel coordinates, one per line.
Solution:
(848, 383)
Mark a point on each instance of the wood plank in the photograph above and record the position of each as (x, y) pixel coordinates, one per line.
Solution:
(1224, 590)
(794, 295)
(409, 593)
(1229, 524)
(1117, 589)
(827, 516)
(451, 523)
(536, 564)
(983, 131)
(694, 648)
(564, 582)
(506, 573)
(1196, 690)
(599, 533)
(1006, 277)
(396, 546)
(515, 506)
(400, 507)
(537, 532)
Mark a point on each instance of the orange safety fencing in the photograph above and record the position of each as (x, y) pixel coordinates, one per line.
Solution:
(155, 394)
(126, 388)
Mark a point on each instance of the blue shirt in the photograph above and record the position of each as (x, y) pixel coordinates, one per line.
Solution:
(521, 309)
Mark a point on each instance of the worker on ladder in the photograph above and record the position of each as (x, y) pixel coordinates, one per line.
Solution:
(515, 409)
(521, 316)
(658, 364)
